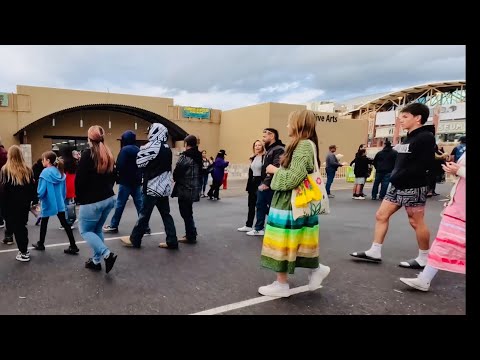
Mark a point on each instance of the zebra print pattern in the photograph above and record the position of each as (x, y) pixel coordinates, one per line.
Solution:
(157, 136)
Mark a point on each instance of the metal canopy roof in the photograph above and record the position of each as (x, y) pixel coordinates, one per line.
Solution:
(410, 93)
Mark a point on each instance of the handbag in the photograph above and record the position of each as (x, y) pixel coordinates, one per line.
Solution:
(350, 177)
(310, 197)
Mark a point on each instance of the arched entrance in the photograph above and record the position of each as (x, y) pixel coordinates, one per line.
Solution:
(69, 126)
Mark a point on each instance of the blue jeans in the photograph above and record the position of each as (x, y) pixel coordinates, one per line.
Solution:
(124, 191)
(330, 177)
(205, 182)
(264, 198)
(384, 180)
(92, 217)
(163, 206)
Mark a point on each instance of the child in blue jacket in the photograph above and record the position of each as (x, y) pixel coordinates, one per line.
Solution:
(51, 193)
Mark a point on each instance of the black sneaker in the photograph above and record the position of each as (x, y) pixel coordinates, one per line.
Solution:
(38, 246)
(8, 241)
(71, 250)
(91, 265)
(148, 232)
(109, 261)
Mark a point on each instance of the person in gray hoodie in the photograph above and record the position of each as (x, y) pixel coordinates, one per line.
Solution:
(155, 158)
(129, 180)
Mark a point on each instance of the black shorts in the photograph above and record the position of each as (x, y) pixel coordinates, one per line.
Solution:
(414, 197)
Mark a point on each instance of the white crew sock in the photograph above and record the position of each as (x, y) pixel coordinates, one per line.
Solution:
(422, 257)
(428, 274)
(375, 251)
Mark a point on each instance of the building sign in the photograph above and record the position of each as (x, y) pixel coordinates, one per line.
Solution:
(451, 127)
(194, 112)
(444, 127)
(4, 99)
(326, 117)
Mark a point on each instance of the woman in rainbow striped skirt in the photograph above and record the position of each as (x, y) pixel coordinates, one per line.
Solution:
(289, 243)
(448, 251)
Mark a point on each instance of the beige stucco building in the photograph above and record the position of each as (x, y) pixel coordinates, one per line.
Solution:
(43, 118)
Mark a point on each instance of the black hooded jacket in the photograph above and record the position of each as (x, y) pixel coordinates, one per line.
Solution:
(272, 157)
(188, 175)
(127, 170)
(384, 160)
(415, 156)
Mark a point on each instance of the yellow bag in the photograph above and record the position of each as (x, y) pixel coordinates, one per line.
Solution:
(306, 192)
(308, 199)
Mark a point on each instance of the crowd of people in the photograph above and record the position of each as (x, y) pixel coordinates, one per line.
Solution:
(403, 172)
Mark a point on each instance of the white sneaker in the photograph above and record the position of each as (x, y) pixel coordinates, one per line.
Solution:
(256, 233)
(71, 227)
(275, 289)
(22, 257)
(317, 276)
(416, 283)
(245, 229)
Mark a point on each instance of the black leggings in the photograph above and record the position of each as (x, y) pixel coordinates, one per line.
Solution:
(63, 221)
(214, 189)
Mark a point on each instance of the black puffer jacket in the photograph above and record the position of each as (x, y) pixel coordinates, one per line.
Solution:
(272, 157)
(188, 175)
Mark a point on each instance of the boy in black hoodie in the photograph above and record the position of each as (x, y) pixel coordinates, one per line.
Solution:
(188, 182)
(408, 185)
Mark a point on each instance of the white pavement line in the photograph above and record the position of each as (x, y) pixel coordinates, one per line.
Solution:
(250, 302)
(77, 242)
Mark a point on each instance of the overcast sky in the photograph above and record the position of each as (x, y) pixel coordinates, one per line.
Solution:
(227, 77)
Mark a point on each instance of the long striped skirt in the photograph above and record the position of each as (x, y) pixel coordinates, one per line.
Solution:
(289, 243)
(448, 251)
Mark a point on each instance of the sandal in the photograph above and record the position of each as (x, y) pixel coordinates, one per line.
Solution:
(362, 255)
(411, 264)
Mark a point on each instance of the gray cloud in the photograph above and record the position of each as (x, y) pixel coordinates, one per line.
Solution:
(232, 76)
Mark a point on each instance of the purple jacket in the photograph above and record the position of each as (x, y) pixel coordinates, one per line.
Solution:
(218, 169)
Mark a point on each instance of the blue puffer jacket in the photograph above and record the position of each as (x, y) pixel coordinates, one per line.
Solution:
(128, 172)
(52, 191)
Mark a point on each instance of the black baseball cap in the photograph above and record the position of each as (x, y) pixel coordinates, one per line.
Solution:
(223, 152)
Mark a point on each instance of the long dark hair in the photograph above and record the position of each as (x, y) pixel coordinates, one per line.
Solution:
(70, 163)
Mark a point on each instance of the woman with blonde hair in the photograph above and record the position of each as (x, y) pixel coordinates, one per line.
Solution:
(94, 190)
(290, 243)
(17, 191)
(253, 182)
